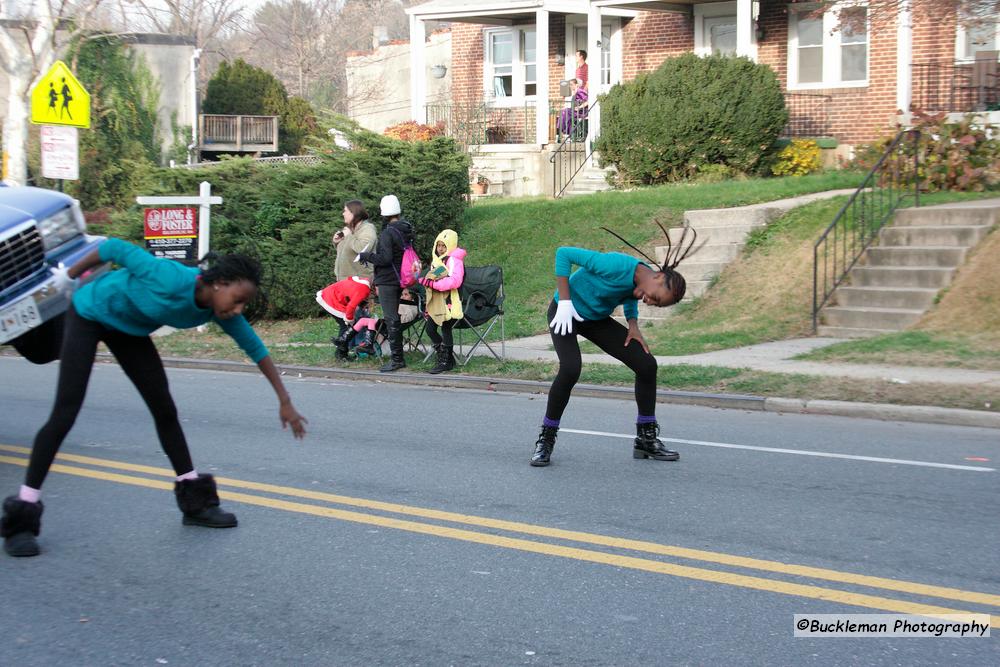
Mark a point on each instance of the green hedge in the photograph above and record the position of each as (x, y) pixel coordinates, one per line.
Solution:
(286, 214)
(691, 112)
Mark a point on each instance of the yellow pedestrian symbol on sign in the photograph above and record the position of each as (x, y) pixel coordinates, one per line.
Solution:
(59, 99)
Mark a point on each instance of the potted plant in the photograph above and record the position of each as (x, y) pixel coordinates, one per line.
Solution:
(479, 184)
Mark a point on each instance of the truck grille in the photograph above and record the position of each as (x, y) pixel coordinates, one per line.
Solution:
(20, 255)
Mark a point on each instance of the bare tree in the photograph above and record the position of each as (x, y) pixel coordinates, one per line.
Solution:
(305, 42)
(31, 35)
(205, 20)
(295, 38)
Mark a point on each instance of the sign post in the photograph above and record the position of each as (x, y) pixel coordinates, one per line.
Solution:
(178, 221)
(60, 104)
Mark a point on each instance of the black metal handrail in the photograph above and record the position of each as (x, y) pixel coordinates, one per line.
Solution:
(573, 151)
(887, 185)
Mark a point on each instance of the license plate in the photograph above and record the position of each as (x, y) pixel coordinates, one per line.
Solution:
(16, 319)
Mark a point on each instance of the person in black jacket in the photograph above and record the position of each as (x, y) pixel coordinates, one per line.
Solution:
(387, 260)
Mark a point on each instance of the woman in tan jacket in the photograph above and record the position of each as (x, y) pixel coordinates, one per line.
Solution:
(357, 236)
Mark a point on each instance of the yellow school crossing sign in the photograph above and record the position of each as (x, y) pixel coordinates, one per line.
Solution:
(59, 99)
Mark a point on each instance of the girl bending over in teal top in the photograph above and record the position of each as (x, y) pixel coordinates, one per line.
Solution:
(121, 309)
(583, 304)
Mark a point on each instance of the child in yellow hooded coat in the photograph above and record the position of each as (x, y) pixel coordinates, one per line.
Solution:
(444, 306)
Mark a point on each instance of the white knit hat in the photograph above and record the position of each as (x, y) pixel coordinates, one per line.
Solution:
(389, 205)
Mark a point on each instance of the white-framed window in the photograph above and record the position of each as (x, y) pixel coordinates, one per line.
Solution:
(977, 36)
(510, 64)
(827, 49)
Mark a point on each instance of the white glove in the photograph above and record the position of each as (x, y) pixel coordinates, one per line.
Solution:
(63, 283)
(562, 323)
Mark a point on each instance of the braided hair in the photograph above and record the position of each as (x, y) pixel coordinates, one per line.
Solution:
(230, 268)
(676, 253)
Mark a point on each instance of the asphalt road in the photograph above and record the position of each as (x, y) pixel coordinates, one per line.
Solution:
(408, 529)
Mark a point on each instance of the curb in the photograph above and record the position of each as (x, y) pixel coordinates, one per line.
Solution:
(881, 411)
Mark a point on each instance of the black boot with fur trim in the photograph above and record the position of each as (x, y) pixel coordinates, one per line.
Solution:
(199, 501)
(21, 523)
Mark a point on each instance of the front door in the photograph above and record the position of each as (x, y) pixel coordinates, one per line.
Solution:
(599, 68)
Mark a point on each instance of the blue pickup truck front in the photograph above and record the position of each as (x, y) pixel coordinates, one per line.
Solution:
(39, 229)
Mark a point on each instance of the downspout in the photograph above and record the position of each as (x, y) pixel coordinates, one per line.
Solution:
(195, 58)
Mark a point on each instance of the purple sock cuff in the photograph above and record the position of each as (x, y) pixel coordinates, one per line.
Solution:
(553, 423)
(645, 419)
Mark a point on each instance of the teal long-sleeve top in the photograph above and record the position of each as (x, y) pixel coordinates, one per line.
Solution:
(604, 281)
(148, 292)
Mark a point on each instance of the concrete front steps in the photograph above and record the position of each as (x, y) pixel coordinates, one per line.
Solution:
(502, 172)
(896, 281)
(722, 233)
(589, 180)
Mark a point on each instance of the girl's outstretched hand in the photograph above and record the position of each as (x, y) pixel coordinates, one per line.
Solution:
(289, 415)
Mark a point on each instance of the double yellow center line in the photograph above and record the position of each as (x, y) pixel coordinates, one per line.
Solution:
(464, 533)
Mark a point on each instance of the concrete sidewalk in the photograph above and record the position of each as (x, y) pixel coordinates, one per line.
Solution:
(776, 357)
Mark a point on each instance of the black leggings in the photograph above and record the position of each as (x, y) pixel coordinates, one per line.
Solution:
(138, 357)
(445, 336)
(608, 335)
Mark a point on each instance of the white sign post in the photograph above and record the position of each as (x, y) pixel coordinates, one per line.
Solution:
(60, 152)
(204, 201)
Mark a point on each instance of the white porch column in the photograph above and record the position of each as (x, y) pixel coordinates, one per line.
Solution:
(904, 56)
(593, 71)
(541, 76)
(418, 71)
(745, 44)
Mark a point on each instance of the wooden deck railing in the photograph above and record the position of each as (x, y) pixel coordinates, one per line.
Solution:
(246, 134)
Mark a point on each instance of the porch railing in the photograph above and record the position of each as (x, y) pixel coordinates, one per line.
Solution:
(893, 180)
(946, 86)
(483, 122)
(238, 133)
(808, 115)
(573, 151)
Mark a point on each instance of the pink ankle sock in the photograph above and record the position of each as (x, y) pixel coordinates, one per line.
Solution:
(29, 495)
(188, 476)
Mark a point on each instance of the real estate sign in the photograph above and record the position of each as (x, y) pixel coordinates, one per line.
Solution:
(172, 232)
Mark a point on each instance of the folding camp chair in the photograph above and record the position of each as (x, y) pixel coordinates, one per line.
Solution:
(482, 309)
(413, 331)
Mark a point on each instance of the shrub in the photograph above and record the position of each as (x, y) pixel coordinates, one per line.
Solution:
(413, 131)
(800, 157)
(286, 214)
(668, 124)
(953, 155)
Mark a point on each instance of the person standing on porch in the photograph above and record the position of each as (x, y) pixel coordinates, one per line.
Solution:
(582, 70)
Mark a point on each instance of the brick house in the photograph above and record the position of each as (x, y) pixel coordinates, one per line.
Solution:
(847, 81)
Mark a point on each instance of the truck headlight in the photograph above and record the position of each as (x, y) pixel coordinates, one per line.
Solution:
(59, 228)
